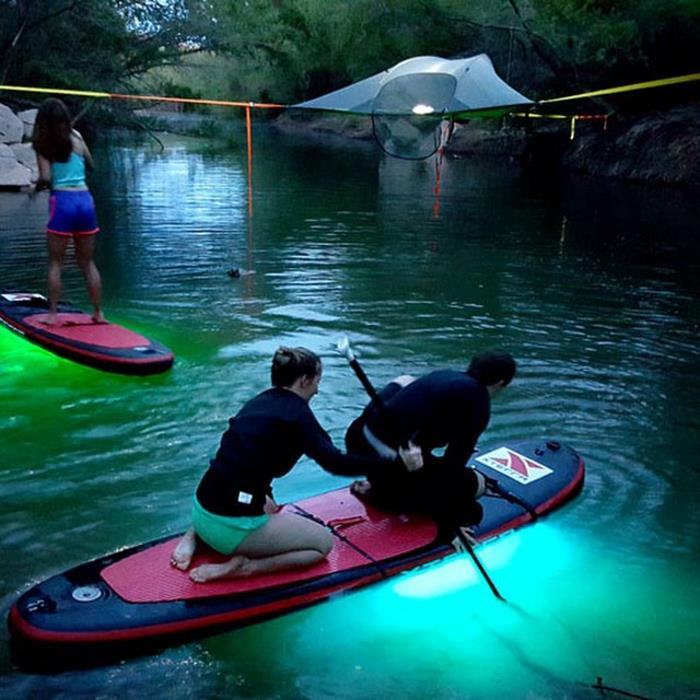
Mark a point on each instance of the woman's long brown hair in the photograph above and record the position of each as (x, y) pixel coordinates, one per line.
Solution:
(52, 131)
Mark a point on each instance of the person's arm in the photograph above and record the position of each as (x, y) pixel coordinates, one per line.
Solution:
(459, 450)
(464, 433)
(318, 445)
(82, 149)
(44, 168)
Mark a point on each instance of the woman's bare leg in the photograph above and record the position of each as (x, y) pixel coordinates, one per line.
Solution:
(286, 541)
(84, 252)
(57, 249)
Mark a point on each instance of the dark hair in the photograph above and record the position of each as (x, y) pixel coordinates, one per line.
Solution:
(52, 131)
(289, 364)
(492, 366)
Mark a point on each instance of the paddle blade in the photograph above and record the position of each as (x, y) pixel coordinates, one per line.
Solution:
(343, 347)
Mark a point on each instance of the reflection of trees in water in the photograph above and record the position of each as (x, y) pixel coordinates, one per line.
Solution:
(23, 256)
(641, 223)
(162, 211)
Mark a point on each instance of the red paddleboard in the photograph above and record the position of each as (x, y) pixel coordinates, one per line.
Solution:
(134, 599)
(75, 336)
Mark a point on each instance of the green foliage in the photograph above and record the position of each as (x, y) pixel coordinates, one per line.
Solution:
(88, 44)
(203, 75)
(289, 50)
(172, 89)
(293, 49)
(611, 38)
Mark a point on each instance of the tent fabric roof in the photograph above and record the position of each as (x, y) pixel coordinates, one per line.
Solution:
(424, 85)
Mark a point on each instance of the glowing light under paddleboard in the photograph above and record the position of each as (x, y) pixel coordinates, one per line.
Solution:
(541, 548)
(19, 355)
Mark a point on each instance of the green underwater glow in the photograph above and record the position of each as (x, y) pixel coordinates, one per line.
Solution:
(20, 355)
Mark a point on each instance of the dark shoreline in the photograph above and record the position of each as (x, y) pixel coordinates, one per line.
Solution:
(661, 148)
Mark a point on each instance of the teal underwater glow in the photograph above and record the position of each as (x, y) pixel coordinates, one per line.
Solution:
(508, 558)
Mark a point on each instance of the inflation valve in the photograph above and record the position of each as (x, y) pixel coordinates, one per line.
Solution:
(86, 594)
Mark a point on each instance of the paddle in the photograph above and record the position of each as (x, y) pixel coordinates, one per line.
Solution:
(343, 347)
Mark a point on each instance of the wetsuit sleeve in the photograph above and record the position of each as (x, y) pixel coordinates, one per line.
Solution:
(464, 438)
(318, 445)
(460, 450)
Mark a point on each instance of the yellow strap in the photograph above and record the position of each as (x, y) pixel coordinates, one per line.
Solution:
(261, 105)
(533, 115)
(79, 93)
(627, 88)
(149, 98)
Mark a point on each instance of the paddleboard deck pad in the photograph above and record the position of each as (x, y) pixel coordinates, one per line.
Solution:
(75, 336)
(135, 600)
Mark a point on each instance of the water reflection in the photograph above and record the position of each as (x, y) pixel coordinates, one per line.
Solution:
(592, 286)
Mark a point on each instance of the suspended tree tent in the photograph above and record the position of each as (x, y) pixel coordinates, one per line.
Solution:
(413, 105)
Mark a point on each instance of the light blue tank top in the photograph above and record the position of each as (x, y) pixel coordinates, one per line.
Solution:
(68, 174)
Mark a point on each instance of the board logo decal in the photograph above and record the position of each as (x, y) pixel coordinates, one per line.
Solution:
(514, 465)
(22, 296)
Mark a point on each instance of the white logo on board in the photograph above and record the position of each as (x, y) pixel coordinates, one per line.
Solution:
(514, 465)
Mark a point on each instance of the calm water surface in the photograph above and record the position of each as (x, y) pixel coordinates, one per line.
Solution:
(592, 286)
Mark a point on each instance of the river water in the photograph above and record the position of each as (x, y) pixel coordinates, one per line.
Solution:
(593, 286)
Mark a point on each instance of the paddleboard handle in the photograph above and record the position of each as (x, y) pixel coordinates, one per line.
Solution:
(496, 489)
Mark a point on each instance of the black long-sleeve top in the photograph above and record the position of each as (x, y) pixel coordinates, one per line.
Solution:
(442, 408)
(264, 441)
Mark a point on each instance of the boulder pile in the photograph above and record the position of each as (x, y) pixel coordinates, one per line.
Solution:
(17, 159)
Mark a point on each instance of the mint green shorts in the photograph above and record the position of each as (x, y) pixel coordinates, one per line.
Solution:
(223, 533)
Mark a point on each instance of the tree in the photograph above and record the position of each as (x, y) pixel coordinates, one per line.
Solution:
(92, 44)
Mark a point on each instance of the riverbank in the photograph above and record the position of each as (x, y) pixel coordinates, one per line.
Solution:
(659, 148)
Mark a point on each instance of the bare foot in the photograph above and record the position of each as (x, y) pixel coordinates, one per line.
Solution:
(361, 488)
(236, 566)
(51, 320)
(98, 317)
(181, 558)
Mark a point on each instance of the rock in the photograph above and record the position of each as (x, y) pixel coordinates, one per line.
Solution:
(474, 139)
(25, 154)
(12, 173)
(11, 127)
(27, 118)
(661, 148)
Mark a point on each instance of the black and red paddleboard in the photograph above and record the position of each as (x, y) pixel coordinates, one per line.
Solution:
(77, 337)
(134, 600)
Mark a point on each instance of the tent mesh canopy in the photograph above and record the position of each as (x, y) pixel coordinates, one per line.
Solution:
(413, 138)
(409, 102)
(407, 114)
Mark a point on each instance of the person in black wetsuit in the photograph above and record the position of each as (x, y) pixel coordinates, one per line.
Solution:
(234, 511)
(445, 408)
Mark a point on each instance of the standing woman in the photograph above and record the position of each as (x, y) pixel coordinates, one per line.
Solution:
(234, 511)
(62, 156)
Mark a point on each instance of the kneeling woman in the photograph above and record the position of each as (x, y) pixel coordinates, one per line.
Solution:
(234, 511)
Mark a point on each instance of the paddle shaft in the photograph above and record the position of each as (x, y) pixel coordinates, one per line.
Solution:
(468, 546)
(364, 380)
(373, 394)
